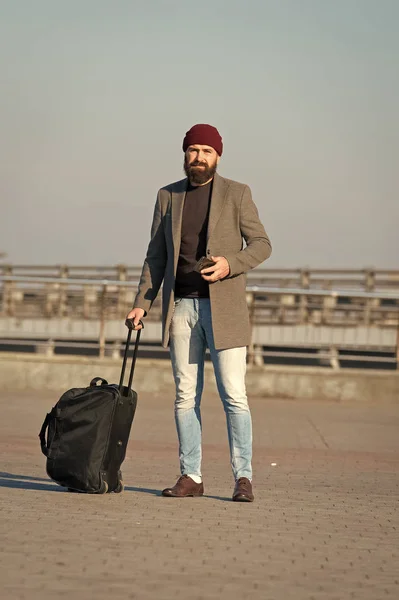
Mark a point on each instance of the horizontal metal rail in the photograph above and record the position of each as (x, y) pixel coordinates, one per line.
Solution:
(348, 271)
(320, 355)
(95, 345)
(250, 288)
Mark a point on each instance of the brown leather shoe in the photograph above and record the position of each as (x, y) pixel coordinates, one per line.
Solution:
(243, 490)
(185, 486)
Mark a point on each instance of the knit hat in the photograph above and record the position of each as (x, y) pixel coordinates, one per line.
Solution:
(203, 134)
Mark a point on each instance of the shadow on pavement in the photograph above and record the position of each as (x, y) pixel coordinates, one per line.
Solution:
(159, 493)
(22, 477)
(221, 498)
(129, 488)
(23, 482)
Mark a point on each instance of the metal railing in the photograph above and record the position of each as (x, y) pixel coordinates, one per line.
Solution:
(366, 279)
(370, 319)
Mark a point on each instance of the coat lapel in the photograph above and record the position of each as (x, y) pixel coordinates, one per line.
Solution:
(178, 197)
(219, 191)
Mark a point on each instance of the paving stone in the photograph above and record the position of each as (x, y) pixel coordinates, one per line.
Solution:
(324, 524)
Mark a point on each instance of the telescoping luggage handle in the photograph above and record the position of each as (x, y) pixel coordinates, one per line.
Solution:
(130, 325)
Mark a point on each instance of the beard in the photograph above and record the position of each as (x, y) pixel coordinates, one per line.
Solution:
(199, 173)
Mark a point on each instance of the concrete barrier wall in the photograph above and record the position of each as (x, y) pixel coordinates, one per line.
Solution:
(32, 372)
(61, 328)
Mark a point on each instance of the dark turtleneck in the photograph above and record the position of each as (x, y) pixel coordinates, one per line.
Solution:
(190, 284)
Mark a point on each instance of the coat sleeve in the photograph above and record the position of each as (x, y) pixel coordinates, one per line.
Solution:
(154, 265)
(258, 247)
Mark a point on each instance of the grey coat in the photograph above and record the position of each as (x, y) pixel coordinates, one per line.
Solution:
(233, 217)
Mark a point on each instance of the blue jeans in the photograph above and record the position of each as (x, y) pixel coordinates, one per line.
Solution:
(190, 335)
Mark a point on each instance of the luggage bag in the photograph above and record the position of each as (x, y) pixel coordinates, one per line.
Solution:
(84, 437)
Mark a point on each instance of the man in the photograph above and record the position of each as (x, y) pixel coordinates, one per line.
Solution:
(205, 215)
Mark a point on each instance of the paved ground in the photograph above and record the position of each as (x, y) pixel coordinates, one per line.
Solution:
(325, 523)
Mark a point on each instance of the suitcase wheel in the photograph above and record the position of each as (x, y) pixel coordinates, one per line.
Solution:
(120, 487)
(104, 487)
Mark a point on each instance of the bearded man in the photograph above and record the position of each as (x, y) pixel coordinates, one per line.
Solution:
(205, 216)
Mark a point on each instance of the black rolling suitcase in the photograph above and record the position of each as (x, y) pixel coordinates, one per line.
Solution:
(85, 436)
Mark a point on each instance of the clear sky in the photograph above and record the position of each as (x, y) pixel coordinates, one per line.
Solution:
(97, 95)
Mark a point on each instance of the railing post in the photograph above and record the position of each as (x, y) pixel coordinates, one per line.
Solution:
(305, 279)
(303, 309)
(46, 348)
(89, 300)
(121, 291)
(101, 336)
(370, 280)
(63, 294)
(251, 306)
(329, 304)
(334, 358)
(367, 312)
(8, 308)
(303, 300)
(397, 344)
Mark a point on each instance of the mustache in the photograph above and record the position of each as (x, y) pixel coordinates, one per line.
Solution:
(196, 163)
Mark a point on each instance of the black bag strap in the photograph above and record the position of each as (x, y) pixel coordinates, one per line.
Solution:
(130, 325)
(42, 434)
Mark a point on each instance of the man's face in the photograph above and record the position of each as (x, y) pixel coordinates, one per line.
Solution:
(200, 163)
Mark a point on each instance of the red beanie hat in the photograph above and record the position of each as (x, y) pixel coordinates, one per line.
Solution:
(203, 134)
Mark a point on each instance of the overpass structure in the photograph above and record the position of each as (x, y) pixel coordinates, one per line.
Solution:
(334, 315)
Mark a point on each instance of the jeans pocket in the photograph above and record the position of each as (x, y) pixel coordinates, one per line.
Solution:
(176, 303)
